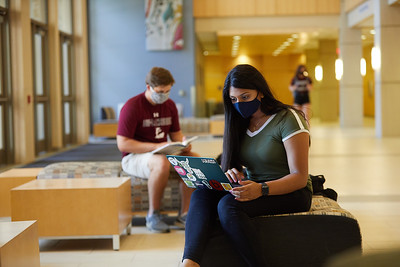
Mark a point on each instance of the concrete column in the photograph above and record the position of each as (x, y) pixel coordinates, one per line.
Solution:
(328, 87)
(387, 77)
(351, 89)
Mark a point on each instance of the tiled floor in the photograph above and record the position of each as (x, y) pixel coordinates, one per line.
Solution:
(364, 170)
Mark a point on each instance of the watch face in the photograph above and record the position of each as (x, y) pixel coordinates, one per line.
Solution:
(264, 189)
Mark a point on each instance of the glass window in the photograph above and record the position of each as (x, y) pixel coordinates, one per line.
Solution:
(65, 16)
(38, 64)
(65, 69)
(39, 10)
(68, 89)
(6, 116)
(40, 122)
(67, 119)
(3, 3)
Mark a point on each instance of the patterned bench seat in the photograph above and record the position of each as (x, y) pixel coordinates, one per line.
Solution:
(97, 169)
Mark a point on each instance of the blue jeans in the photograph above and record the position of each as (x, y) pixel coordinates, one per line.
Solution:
(206, 206)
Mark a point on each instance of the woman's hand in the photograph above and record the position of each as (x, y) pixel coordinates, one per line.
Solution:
(248, 191)
(234, 176)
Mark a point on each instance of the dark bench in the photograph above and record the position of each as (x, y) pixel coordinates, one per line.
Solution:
(298, 239)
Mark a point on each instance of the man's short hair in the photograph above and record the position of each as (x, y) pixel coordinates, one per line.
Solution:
(159, 77)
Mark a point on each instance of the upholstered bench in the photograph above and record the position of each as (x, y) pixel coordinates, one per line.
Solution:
(99, 169)
(298, 239)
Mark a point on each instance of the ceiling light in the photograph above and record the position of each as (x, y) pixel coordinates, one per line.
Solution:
(363, 67)
(295, 35)
(372, 32)
(319, 73)
(235, 45)
(243, 59)
(338, 68)
(363, 37)
(205, 53)
(376, 58)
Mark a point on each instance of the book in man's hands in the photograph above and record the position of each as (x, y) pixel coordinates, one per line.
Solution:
(174, 147)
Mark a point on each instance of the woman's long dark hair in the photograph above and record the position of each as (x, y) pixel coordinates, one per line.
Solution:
(245, 77)
(298, 70)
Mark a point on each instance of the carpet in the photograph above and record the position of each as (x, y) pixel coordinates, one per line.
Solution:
(88, 152)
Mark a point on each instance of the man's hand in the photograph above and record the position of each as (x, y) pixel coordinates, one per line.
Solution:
(187, 149)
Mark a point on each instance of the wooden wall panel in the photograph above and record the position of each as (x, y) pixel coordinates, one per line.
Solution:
(328, 7)
(204, 8)
(81, 70)
(351, 4)
(22, 81)
(265, 7)
(226, 8)
(290, 7)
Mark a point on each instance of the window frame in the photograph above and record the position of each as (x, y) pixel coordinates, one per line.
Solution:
(6, 100)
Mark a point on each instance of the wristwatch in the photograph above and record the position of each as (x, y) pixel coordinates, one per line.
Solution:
(264, 189)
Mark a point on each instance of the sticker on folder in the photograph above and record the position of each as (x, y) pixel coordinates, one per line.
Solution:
(226, 186)
(201, 172)
(189, 184)
(191, 177)
(216, 185)
(180, 170)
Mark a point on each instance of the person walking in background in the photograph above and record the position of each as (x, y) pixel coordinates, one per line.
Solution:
(301, 85)
(271, 140)
(145, 122)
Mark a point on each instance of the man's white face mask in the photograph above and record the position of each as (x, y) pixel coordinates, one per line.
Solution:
(158, 98)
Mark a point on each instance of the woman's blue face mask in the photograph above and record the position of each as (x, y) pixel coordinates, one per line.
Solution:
(246, 109)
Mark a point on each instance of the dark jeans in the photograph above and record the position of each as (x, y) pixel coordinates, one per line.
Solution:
(235, 218)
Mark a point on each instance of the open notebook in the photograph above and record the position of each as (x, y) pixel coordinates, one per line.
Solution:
(199, 172)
